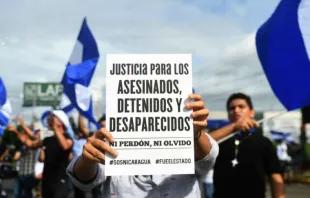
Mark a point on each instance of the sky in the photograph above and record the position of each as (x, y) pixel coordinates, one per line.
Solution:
(37, 38)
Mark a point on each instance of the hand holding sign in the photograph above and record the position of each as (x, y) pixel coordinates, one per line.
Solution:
(199, 114)
(95, 147)
(146, 113)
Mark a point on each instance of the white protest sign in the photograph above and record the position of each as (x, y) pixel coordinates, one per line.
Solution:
(145, 108)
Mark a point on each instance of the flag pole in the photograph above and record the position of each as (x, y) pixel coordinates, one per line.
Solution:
(33, 107)
(259, 122)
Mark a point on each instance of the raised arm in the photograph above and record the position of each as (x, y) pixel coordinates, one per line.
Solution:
(59, 131)
(27, 130)
(241, 125)
(85, 171)
(33, 144)
(200, 115)
(65, 143)
(82, 127)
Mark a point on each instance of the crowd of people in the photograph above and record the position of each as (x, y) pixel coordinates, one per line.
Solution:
(41, 155)
(72, 158)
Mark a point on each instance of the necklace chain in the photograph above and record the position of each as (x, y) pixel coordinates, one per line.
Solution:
(237, 143)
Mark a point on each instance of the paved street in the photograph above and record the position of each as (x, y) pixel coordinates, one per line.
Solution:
(292, 190)
(296, 191)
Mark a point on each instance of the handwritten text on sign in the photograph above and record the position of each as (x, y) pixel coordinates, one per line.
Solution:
(153, 131)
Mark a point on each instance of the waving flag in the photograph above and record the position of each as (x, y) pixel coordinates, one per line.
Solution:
(277, 135)
(79, 72)
(283, 47)
(5, 108)
(65, 106)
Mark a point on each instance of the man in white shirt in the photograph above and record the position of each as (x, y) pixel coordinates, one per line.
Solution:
(87, 171)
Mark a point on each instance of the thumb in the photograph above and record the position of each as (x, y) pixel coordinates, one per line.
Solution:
(256, 124)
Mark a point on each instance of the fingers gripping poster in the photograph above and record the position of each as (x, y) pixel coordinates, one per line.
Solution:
(145, 105)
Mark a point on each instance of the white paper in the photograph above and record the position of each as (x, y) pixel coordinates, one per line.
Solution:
(146, 148)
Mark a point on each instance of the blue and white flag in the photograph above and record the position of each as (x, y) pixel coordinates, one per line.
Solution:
(44, 118)
(79, 72)
(65, 106)
(5, 108)
(283, 47)
(282, 136)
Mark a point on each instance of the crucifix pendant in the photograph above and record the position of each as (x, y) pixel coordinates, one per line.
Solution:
(234, 162)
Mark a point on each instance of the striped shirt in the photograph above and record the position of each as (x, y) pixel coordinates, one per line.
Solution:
(28, 158)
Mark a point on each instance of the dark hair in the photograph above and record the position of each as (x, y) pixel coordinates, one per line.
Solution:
(239, 96)
(102, 118)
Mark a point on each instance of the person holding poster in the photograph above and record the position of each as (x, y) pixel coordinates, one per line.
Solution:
(88, 170)
(246, 158)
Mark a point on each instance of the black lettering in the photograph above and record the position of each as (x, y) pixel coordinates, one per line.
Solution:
(123, 69)
(125, 128)
(126, 84)
(112, 125)
(164, 126)
(157, 124)
(186, 69)
(120, 104)
(138, 105)
(118, 124)
(156, 105)
(144, 125)
(112, 71)
(131, 125)
(127, 105)
(180, 124)
(163, 86)
(132, 86)
(113, 144)
(169, 102)
(148, 87)
(156, 87)
(157, 143)
(169, 87)
(151, 124)
(163, 105)
(187, 123)
(139, 90)
(138, 123)
(133, 104)
(179, 101)
(152, 67)
(120, 87)
(176, 86)
(145, 105)
(173, 124)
